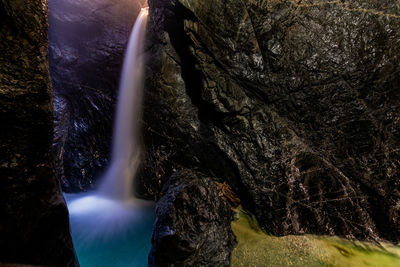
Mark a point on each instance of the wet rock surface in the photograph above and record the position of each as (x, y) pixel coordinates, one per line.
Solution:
(193, 224)
(293, 103)
(34, 226)
(87, 44)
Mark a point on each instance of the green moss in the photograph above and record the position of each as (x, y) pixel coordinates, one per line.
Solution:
(255, 248)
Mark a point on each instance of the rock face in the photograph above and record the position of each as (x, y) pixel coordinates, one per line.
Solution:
(87, 44)
(34, 226)
(293, 103)
(193, 224)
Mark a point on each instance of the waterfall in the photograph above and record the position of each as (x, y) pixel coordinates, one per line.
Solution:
(109, 226)
(126, 147)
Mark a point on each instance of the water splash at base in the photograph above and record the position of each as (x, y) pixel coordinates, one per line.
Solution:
(110, 233)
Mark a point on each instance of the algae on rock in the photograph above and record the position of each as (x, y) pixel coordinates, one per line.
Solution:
(256, 248)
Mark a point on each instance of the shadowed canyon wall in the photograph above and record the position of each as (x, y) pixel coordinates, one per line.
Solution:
(34, 226)
(293, 103)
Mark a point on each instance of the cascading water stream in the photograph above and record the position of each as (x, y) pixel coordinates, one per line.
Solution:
(126, 148)
(109, 226)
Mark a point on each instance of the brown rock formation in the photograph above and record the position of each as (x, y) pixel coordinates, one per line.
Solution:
(34, 227)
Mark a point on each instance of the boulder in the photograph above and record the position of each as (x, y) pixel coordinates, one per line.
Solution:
(193, 223)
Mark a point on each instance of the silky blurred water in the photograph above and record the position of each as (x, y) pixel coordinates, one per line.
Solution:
(126, 153)
(110, 227)
(110, 233)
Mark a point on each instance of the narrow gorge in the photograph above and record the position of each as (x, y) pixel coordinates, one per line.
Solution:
(268, 122)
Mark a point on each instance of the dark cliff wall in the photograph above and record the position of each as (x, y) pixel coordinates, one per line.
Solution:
(34, 224)
(293, 103)
(87, 45)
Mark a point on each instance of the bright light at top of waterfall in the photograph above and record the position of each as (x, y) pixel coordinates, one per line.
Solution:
(145, 4)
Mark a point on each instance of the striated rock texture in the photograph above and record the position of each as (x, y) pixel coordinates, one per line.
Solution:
(193, 224)
(34, 226)
(293, 103)
(87, 44)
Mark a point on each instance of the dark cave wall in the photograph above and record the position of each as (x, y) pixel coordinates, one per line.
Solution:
(293, 103)
(34, 228)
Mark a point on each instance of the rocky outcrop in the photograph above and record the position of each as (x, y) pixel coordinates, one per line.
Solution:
(34, 226)
(87, 43)
(193, 224)
(293, 103)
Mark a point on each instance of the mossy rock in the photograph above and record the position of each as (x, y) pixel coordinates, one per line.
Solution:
(256, 248)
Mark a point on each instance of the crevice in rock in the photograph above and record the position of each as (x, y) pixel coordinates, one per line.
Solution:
(255, 35)
(190, 67)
